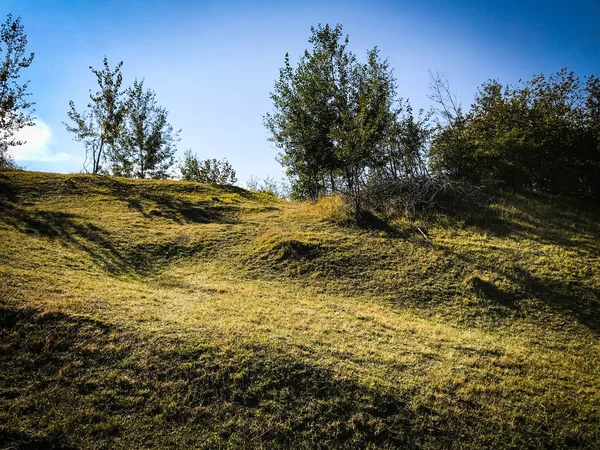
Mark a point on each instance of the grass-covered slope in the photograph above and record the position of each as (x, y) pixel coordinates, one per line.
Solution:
(140, 314)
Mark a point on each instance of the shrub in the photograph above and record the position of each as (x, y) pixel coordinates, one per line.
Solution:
(209, 171)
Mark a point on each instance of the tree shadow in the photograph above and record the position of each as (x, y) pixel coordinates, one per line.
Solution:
(567, 297)
(73, 382)
(8, 193)
(124, 187)
(553, 221)
(70, 229)
(492, 293)
(181, 211)
(174, 381)
(570, 298)
(150, 200)
(156, 202)
(369, 221)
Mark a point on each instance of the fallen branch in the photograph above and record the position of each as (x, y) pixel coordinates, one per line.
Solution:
(424, 235)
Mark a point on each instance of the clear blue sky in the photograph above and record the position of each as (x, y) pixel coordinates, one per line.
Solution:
(213, 64)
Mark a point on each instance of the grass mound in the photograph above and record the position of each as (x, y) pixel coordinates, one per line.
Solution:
(278, 253)
(170, 314)
(294, 250)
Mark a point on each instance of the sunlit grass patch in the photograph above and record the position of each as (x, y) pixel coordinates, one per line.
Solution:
(184, 315)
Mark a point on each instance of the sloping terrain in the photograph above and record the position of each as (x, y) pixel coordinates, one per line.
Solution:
(137, 314)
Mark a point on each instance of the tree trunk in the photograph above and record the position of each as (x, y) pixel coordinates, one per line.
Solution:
(96, 162)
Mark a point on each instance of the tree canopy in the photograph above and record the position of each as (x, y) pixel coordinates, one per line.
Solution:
(339, 123)
(541, 134)
(101, 124)
(125, 131)
(147, 142)
(15, 107)
(211, 171)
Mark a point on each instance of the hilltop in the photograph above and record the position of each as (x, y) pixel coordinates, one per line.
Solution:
(140, 313)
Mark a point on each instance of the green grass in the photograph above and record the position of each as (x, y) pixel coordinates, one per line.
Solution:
(163, 314)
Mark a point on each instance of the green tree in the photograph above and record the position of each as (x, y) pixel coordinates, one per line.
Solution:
(303, 116)
(99, 126)
(403, 154)
(365, 112)
(330, 114)
(14, 106)
(209, 171)
(537, 135)
(147, 142)
(592, 103)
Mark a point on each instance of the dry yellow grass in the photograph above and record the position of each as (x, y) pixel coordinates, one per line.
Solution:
(183, 315)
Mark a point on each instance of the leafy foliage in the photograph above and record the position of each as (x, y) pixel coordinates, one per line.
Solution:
(99, 126)
(209, 171)
(268, 185)
(542, 134)
(147, 142)
(125, 131)
(14, 105)
(328, 113)
(339, 123)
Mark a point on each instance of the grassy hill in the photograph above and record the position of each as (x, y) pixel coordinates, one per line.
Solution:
(138, 314)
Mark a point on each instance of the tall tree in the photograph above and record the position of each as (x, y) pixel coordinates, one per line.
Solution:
(100, 125)
(330, 114)
(14, 105)
(148, 143)
(364, 103)
(300, 124)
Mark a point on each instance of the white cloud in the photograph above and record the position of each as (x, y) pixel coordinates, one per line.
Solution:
(37, 140)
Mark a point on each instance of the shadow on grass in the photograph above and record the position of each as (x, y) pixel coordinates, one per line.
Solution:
(18, 440)
(367, 220)
(173, 207)
(548, 220)
(69, 229)
(172, 386)
(51, 184)
(180, 211)
(70, 381)
(492, 293)
(154, 201)
(149, 199)
(8, 192)
(294, 251)
(570, 298)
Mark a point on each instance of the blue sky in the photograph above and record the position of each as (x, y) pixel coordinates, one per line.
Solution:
(213, 64)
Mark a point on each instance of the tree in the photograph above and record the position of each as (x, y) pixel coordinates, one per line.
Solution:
(330, 115)
(301, 122)
(147, 142)
(403, 155)
(268, 185)
(592, 103)
(209, 171)
(365, 113)
(14, 106)
(99, 127)
(536, 135)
